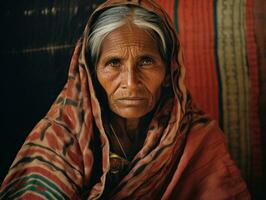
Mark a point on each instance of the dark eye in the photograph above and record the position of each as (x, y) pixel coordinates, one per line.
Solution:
(115, 62)
(146, 61)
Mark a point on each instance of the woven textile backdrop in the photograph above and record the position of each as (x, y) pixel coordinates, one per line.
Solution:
(223, 71)
(224, 47)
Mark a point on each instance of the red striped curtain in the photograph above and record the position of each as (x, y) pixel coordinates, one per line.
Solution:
(223, 68)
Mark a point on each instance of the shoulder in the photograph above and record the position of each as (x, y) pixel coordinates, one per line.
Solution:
(208, 166)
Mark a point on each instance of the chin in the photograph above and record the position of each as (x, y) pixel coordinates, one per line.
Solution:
(132, 113)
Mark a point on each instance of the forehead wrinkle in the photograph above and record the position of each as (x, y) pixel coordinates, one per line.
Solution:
(125, 39)
(129, 36)
(125, 48)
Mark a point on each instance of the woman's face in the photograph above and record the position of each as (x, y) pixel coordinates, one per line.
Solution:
(131, 71)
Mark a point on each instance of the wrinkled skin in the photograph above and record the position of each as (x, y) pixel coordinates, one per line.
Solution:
(131, 71)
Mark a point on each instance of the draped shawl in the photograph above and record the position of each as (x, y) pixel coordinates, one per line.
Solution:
(66, 156)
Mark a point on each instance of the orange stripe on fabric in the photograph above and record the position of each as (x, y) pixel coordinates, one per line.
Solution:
(53, 159)
(31, 196)
(253, 72)
(196, 28)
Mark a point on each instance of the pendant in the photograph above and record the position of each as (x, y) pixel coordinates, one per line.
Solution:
(117, 163)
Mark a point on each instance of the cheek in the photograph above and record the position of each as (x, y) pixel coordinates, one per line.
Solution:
(107, 81)
(154, 84)
(155, 92)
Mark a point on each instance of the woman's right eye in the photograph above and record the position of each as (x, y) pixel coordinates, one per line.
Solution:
(115, 63)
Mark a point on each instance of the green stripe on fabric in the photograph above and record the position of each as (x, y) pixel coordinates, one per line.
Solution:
(246, 155)
(28, 159)
(28, 189)
(234, 78)
(28, 179)
(217, 66)
(38, 184)
(176, 3)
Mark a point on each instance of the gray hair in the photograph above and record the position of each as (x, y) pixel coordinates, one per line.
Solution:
(115, 17)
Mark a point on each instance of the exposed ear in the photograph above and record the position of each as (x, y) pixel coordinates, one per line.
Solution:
(167, 80)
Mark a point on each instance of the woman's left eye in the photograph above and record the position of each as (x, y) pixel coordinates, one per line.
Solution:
(146, 61)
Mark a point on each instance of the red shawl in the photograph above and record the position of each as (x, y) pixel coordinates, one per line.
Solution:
(186, 158)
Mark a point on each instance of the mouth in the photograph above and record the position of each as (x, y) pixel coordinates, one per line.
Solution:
(132, 98)
(131, 101)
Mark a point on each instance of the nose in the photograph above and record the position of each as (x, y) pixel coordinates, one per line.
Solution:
(130, 77)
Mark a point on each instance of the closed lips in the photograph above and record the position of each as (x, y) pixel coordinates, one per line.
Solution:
(132, 98)
(131, 101)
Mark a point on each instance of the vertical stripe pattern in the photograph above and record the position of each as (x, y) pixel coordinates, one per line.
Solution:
(256, 138)
(234, 78)
(197, 39)
(222, 70)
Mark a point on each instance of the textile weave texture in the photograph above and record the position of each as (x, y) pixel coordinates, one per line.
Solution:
(66, 155)
(223, 72)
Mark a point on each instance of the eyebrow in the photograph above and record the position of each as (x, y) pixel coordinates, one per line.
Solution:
(119, 57)
(147, 56)
(112, 57)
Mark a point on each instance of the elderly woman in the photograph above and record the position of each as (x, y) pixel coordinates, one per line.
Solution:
(124, 126)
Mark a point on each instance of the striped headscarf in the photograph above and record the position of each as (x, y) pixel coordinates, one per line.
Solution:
(66, 156)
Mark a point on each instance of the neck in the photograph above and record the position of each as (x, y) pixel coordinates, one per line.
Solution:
(130, 135)
(132, 125)
(129, 127)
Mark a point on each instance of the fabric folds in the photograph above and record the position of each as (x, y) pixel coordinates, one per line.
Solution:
(66, 156)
